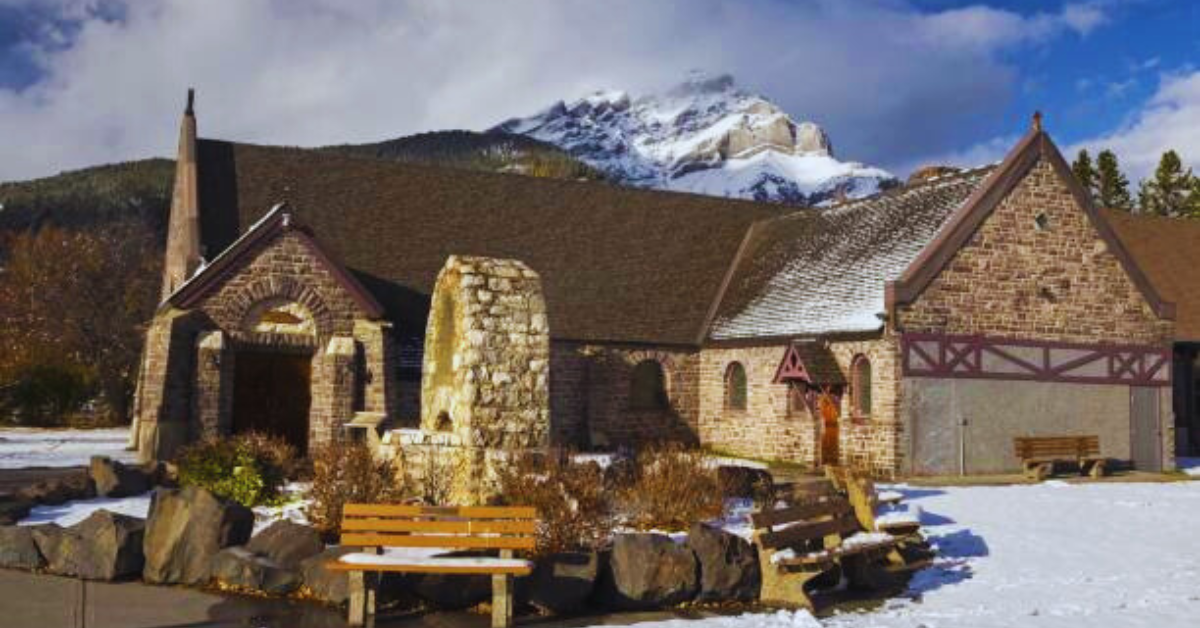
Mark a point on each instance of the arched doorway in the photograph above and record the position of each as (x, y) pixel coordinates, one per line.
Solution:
(272, 394)
(829, 413)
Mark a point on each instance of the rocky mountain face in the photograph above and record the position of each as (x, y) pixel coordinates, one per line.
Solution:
(704, 136)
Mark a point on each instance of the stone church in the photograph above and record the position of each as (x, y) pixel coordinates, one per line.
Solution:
(913, 332)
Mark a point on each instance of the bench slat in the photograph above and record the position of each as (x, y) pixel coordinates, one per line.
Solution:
(365, 539)
(802, 533)
(516, 571)
(810, 510)
(440, 525)
(469, 512)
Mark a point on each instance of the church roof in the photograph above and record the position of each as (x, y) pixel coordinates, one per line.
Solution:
(616, 264)
(1168, 252)
(824, 271)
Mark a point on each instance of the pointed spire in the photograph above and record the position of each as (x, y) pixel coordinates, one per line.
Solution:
(1037, 122)
(184, 251)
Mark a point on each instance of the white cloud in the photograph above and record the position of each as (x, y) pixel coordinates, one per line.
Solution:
(887, 80)
(1170, 119)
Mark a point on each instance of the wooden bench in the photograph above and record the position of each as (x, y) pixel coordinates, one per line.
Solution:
(1038, 454)
(799, 543)
(376, 526)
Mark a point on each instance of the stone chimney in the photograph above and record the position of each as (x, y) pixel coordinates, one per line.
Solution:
(183, 229)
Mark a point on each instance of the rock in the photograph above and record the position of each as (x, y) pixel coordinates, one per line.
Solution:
(18, 550)
(729, 569)
(105, 546)
(286, 543)
(323, 583)
(58, 490)
(13, 510)
(745, 482)
(447, 591)
(562, 583)
(239, 567)
(113, 479)
(186, 528)
(647, 571)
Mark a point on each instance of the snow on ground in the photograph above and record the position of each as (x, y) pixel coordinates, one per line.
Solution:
(29, 447)
(1052, 555)
(71, 513)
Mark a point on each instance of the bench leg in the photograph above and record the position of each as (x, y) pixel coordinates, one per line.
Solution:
(357, 615)
(502, 601)
(1098, 468)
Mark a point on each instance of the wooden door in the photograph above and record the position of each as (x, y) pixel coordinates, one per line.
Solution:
(271, 395)
(828, 412)
(1145, 438)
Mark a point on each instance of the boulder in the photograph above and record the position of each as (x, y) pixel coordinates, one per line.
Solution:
(239, 567)
(729, 569)
(647, 571)
(113, 479)
(13, 510)
(186, 528)
(286, 543)
(323, 583)
(745, 482)
(18, 550)
(105, 546)
(562, 583)
(57, 491)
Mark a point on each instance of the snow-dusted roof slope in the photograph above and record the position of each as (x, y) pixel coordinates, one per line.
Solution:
(823, 271)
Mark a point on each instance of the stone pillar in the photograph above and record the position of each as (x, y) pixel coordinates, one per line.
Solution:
(212, 401)
(164, 402)
(333, 385)
(375, 367)
(487, 355)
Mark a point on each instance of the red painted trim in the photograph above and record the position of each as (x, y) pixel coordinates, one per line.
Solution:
(1139, 365)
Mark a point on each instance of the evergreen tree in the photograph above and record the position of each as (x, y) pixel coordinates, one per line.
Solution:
(1085, 172)
(1112, 188)
(1168, 192)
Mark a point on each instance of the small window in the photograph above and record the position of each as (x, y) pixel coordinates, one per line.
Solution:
(1041, 222)
(648, 390)
(735, 386)
(860, 386)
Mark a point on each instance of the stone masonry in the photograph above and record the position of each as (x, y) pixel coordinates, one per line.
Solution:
(487, 355)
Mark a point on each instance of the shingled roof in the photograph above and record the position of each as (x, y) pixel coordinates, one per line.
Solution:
(824, 271)
(1168, 252)
(617, 264)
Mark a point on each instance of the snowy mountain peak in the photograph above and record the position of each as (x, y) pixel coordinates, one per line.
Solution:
(706, 136)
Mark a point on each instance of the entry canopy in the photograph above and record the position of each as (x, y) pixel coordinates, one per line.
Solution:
(811, 362)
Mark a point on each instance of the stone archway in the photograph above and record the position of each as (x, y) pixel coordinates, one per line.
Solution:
(272, 394)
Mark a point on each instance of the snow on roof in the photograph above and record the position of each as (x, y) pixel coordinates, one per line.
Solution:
(824, 271)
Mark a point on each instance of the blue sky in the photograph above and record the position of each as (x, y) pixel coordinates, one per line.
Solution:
(896, 83)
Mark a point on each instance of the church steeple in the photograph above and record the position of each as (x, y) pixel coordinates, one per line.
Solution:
(183, 230)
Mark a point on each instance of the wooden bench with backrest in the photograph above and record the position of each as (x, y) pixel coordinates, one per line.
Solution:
(800, 542)
(375, 527)
(1039, 454)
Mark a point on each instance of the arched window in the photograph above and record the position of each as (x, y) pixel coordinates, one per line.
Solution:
(860, 386)
(647, 386)
(735, 386)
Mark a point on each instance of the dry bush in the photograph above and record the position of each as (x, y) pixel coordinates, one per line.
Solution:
(573, 506)
(348, 473)
(672, 488)
(429, 478)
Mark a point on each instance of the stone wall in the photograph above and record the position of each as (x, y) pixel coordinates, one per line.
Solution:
(769, 427)
(613, 422)
(874, 443)
(487, 355)
(1014, 279)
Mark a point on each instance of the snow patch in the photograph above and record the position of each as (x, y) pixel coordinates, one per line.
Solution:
(30, 447)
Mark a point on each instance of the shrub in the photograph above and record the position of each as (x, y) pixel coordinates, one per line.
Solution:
(671, 489)
(573, 506)
(250, 469)
(348, 473)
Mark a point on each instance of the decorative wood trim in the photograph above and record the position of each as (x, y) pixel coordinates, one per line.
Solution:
(968, 357)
